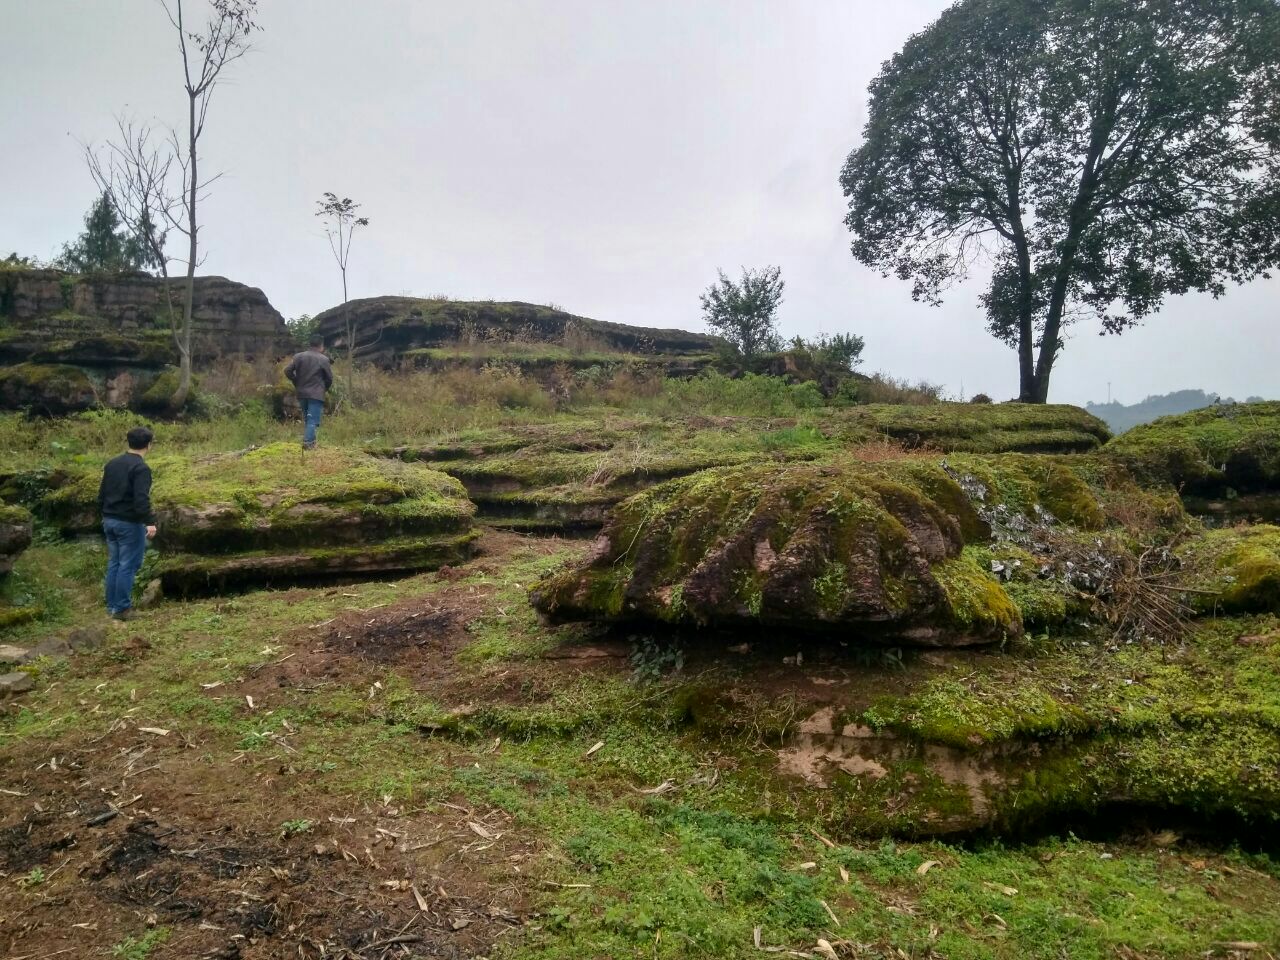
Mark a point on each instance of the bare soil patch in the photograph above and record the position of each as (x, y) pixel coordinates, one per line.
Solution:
(220, 856)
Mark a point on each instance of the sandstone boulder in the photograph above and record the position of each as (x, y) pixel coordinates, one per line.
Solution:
(275, 514)
(860, 551)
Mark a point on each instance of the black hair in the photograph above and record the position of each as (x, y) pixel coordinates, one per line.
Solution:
(317, 340)
(140, 438)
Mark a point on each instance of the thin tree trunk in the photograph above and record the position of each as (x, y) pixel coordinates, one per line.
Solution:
(184, 345)
(351, 341)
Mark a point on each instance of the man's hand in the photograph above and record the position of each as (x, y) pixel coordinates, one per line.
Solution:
(151, 531)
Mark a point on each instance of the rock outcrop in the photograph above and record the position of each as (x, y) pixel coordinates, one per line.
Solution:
(1046, 735)
(69, 342)
(274, 515)
(15, 537)
(391, 330)
(567, 476)
(1225, 459)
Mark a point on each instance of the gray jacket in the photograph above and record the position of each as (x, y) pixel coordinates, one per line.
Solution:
(311, 374)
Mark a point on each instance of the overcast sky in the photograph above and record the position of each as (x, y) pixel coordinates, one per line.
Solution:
(603, 155)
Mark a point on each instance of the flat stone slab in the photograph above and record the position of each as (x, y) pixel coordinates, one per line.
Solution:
(15, 683)
(12, 654)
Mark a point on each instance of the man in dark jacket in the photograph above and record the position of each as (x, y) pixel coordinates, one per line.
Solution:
(124, 497)
(311, 375)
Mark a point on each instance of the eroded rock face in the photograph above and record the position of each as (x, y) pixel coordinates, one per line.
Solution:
(59, 314)
(15, 535)
(275, 515)
(69, 342)
(396, 326)
(862, 551)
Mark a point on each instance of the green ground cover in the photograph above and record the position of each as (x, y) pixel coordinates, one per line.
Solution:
(695, 870)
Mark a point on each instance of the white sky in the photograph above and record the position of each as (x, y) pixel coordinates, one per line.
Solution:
(604, 155)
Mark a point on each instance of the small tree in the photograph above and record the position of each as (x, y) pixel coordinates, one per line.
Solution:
(745, 312)
(301, 329)
(223, 39)
(135, 172)
(104, 247)
(340, 224)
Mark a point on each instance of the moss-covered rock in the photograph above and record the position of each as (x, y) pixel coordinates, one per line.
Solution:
(565, 475)
(1231, 448)
(15, 534)
(869, 551)
(49, 389)
(192, 574)
(272, 509)
(157, 397)
(976, 428)
(1234, 570)
(1039, 735)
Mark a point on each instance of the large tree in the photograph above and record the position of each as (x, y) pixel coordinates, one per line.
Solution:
(1097, 155)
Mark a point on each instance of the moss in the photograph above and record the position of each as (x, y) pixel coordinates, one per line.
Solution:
(17, 616)
(1236, 569)
(12, 514)
(962, 427)
(278, 497)
(158, 397)
(46, 388)
(852, 535)
(977, 601)
(1207, 452)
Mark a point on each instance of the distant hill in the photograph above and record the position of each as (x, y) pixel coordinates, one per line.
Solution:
(1120, 417)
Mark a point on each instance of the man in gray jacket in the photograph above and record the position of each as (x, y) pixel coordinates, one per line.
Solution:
(311, 375)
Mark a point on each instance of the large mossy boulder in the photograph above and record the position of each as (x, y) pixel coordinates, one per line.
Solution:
(405, 326)
(1219, 451)
(277, 514)
(852, 550)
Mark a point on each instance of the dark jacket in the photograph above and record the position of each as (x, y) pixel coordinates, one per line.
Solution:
(125, 491)
(311, 374)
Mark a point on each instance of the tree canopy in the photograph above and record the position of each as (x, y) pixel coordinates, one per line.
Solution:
(1098, 155)
(105, 246)
(745, 312)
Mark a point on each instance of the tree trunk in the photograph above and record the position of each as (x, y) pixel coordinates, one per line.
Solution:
(179, 398)
(1026, 327)
(351, 341)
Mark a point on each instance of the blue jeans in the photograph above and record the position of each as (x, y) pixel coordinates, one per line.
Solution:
(126, 543)
(312, 410)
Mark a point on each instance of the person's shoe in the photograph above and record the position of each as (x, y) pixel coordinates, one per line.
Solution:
(308, 446)
(126, 614)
